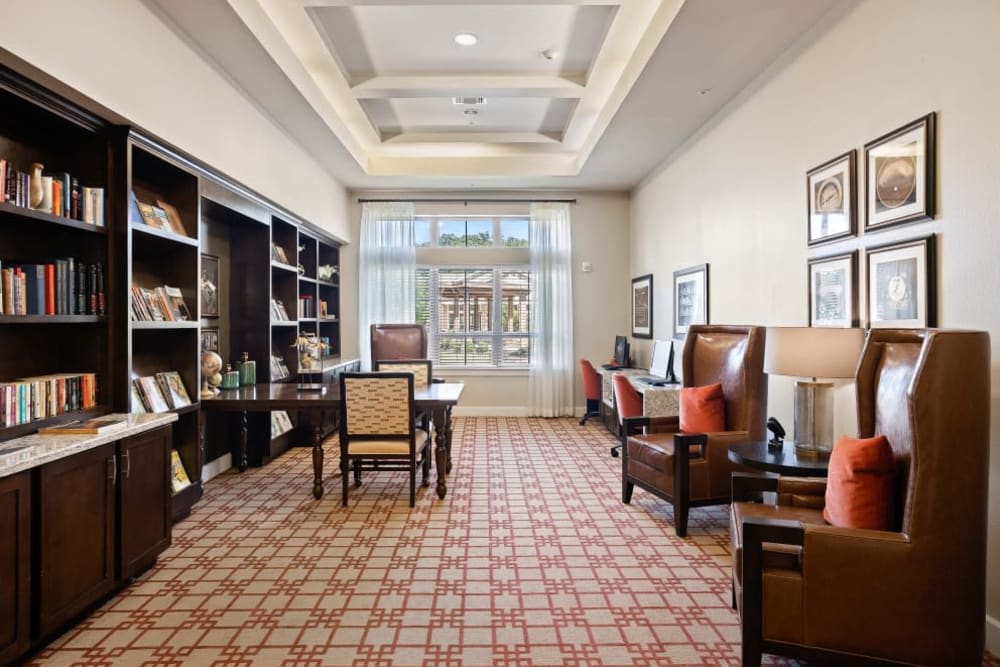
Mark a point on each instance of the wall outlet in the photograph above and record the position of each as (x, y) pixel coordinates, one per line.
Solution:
(587, 267)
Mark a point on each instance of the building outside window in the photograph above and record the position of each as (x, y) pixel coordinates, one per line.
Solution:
(474, 290)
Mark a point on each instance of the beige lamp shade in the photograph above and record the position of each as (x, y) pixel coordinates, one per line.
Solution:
(812, 351)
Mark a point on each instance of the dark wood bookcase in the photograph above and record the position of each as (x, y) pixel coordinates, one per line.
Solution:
(36, 126)
(155, 257)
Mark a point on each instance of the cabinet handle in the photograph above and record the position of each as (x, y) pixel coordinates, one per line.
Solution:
(114, 469)
(126, 465)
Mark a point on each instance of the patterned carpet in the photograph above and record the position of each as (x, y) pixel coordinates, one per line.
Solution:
(530, 560)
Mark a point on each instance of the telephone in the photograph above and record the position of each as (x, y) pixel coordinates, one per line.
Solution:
(777, 430)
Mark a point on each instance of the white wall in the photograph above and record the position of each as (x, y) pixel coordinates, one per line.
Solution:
(600, 298)
(121, 55)
(734, 195)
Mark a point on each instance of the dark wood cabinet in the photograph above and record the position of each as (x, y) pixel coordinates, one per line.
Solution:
(76, 530)
(144, 502)
(15, 566)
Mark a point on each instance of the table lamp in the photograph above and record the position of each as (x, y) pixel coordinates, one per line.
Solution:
(813, 352)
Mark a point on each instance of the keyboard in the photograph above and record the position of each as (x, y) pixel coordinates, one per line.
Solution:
(611, 367)
(654, 381)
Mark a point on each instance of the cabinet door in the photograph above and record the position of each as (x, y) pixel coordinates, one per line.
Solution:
(15, 565)
(75, 534)
(144, 485)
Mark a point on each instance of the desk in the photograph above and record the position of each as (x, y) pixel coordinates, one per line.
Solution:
(656, 401)
(438, 399)
(786, 461)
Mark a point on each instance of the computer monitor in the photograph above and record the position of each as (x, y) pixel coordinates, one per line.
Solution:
(621, 351)
(663, 356)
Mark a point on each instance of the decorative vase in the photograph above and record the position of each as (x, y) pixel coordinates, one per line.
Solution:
(248, 370)
(36, 192)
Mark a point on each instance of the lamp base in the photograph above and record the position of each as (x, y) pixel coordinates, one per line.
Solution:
(810, 449)
(813, 417)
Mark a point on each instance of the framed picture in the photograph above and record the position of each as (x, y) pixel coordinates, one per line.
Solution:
(209, 288)
(833, 291)
(901, 284)
(642, 306)
(832, 200)
(690, 298)
(900, 170)
(210, 340)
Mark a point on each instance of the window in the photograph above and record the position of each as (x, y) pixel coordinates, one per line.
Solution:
(474, 291)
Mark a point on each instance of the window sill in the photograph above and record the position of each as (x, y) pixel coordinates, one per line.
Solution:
(449, 372)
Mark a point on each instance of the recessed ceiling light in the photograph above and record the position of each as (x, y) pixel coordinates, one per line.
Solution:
(466, 39)
(704, 91)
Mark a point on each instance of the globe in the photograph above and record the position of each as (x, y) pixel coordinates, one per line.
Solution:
(211, 364)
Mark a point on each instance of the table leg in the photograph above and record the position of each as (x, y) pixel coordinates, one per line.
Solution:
(317, 417)
(243, 442)
(441, 449)
(448, 441)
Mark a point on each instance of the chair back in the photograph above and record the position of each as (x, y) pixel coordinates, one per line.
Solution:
(421, 369)
(734, 357)
(628, 401)
(398, 341)
(591, 381)
(376, 406)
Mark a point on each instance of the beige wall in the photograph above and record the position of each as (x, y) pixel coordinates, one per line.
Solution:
(600, 298)
(120, 54)
(734, 196)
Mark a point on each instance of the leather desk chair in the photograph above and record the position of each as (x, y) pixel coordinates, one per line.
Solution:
(914, 594)
(591, 390)
(693, 470)
(398, 341)
(628, 403)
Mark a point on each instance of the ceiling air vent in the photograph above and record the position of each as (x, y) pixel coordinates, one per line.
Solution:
(469, 101)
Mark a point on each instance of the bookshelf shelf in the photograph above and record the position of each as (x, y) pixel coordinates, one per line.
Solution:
(187, 409)
(9, 210)
(143, 228)
(53, 319)
(32, 426)
(284, 267)
(304, 279)
(325, 283)
(284, 323)
(157, 326)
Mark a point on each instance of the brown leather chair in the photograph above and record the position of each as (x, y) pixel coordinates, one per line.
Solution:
(693, 470)
(911, 595)
(398, 341)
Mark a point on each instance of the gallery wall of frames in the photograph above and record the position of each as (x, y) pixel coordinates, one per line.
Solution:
(899, 185)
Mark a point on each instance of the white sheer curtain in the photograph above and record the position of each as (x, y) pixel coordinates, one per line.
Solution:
(550, 383)
(387, 267)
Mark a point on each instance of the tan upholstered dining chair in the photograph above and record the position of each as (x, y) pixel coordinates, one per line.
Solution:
(378, 429)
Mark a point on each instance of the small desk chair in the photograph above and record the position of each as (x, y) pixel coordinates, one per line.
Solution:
(628, 403)
(377, 428)
(421, 369)
(591, 390)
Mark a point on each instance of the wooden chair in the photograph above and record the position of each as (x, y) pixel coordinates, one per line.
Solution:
(913, 594)
(421, 369)
(377, 428)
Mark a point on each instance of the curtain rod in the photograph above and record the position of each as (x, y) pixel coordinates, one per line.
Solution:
(466, 200)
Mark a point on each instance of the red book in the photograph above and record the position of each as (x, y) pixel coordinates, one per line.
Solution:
(50, 289)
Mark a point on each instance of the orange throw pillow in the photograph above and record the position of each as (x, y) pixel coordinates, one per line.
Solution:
(703, 409)
(860, 484)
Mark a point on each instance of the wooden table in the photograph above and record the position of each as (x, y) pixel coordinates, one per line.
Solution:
(438, 399)
(785, 460)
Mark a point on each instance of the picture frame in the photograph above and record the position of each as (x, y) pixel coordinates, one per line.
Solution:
(210, 340)
(900, 174)
(642, 306)
(831, 199)
(690, 298)
(902, 284)
(833, 290)
(209, 285)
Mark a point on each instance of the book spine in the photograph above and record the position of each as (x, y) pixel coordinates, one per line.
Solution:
(88, 205)
(100, 289)
(3, 180)
(50, 289)
(80, 293)
(74, 199)
(92, 290)
(71, 286)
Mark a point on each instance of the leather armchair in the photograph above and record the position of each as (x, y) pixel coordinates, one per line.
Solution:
(914, 594)
(693, 470)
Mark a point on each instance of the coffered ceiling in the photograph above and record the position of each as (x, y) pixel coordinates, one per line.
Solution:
(383, 94)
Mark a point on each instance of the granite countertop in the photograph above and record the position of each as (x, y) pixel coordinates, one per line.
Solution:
(34, 450)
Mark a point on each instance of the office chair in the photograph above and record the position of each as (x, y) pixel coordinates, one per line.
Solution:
(628, 403)
(591, 390)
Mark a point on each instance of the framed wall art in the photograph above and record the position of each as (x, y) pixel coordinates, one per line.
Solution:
(900, 175)
(210, 340)
(690, 298)
(902, 289)
(642, 306)
(833, 291)
(209, 287)
(832, 201)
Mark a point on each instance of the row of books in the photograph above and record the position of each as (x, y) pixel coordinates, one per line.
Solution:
(278, 254)
(43, 396)
(159, 304)
(61, 194)
(163, 215)
(281, 423)
(59, 287)
(279, 370)
(159, 393)
(306, 308)
(278, 312)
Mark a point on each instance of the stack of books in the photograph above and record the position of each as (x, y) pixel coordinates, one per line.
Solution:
(61, 192)
(40, 397)
(159, 304)
(163, 216)
(159, 393)
(64, 286)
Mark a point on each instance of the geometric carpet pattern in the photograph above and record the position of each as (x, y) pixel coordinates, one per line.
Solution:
(530, 560)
